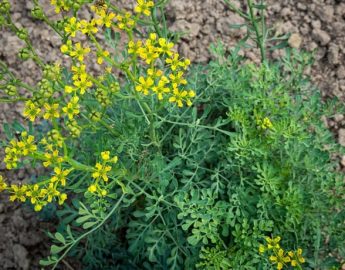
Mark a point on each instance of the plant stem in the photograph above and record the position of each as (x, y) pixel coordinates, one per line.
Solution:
(89, 232)
(259, 36)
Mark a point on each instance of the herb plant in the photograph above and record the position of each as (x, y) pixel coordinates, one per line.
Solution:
(226, 167)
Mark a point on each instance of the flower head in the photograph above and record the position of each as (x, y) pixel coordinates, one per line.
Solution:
(60, 176)
(101, 171)
(144, 85)
(165, 47)
(280, 259)
(31, 110)
(72, 107)
(72, 26)
(3, 185)
(88, 27)
(144, 7)
(105, 19)
(18, 193)
(52, 111)
(79, 52)
(83, 83)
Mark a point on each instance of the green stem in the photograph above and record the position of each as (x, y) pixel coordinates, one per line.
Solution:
(4, 100)
(75, 164)
(259, 36)
(71, 245)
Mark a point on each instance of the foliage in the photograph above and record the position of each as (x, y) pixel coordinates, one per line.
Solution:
(155, 184)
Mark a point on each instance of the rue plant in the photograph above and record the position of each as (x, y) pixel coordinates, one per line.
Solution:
(150, 167)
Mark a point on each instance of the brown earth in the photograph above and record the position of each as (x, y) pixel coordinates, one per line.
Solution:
(314, 24)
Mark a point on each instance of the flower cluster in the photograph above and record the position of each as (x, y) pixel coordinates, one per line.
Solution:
(279, 256)
(151, 66)
(156, 81)
(17, 149)
(101, 173)
(264, 123)
(39, 195)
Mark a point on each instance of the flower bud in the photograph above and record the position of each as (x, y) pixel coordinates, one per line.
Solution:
(11, 90)
(76, 6)
(114, 87)
(95, 116)
(22, 34)
(5, 7)
(60, 24)
(37, 13)
(24, 54)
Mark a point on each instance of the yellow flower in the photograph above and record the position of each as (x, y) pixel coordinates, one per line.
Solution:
(60, 5)
(101, 55)
(165, 47)
(3, 185)
(72, 107)
(144, 7)
(134, 47)
(39, 205)
(83, 83)
(161, 88)
(177, 79)
(174, 61)
(296, 257)
(125, 22)
(88, 27)
(105, 19)
(99, 8)
(31, 111)
(79, 52)
(299, 256)
(105, 155)
(62, 198)
(69, 89)
(13, 152)
(144, 85)
(50, 192)
(180, 96)
(52, 158)
(101, 171)
(149, 54)
(280, 259)
(273, 242)
(92, 188)
(60, 176)
(114, 159)
(72, 26)
(184, 64)
(78, 71)
(52, 111)
(152, 39)
(34, 193)
(265, 123)
(65, 48)
(262, 248)
(155, 74)
(18, 193)
(28, 145)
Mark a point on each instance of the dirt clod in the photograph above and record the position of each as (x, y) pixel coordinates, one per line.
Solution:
(295, 41)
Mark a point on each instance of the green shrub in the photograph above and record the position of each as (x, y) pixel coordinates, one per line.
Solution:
(243, 178)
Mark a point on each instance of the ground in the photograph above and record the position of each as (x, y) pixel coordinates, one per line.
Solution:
(314, 25)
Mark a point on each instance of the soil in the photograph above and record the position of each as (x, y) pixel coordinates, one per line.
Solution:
(314, 25)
